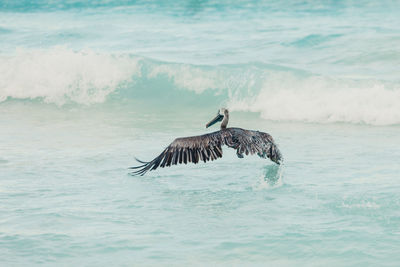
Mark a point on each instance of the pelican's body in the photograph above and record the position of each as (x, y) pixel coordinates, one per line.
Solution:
(209, 146)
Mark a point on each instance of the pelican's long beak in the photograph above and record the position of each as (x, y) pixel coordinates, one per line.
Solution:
(218, 118)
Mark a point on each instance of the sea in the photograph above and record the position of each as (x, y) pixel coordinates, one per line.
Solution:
(88, 86)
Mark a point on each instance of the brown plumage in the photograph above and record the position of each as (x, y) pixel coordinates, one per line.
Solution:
(209, 147)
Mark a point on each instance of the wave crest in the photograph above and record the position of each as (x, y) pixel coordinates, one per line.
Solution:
(60, 75)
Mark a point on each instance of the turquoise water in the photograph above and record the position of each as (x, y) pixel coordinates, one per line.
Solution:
(85, 86)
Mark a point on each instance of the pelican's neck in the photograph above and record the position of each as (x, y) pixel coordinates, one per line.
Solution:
(224, 122)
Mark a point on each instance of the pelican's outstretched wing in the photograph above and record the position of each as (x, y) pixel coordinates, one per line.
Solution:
(209, 147)
(183, 150)
(251, 142)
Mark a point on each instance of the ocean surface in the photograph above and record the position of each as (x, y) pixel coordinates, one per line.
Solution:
(87, 86)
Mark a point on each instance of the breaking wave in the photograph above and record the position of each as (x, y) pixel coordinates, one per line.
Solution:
(320, 99)
(61, 75)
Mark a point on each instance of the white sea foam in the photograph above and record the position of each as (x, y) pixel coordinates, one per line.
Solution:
(362, 205)
(285, 97)
(60, 74)
(188, 77)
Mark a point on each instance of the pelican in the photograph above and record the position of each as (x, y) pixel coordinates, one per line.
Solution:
(209, 146)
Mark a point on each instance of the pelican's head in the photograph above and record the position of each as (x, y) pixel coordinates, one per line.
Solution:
(222, 114)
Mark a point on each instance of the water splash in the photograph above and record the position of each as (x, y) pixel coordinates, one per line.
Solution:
(272, 177)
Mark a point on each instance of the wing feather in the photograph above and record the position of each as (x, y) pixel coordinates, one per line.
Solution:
(183, 150)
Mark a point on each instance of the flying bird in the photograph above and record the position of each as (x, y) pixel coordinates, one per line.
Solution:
(209, 146)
